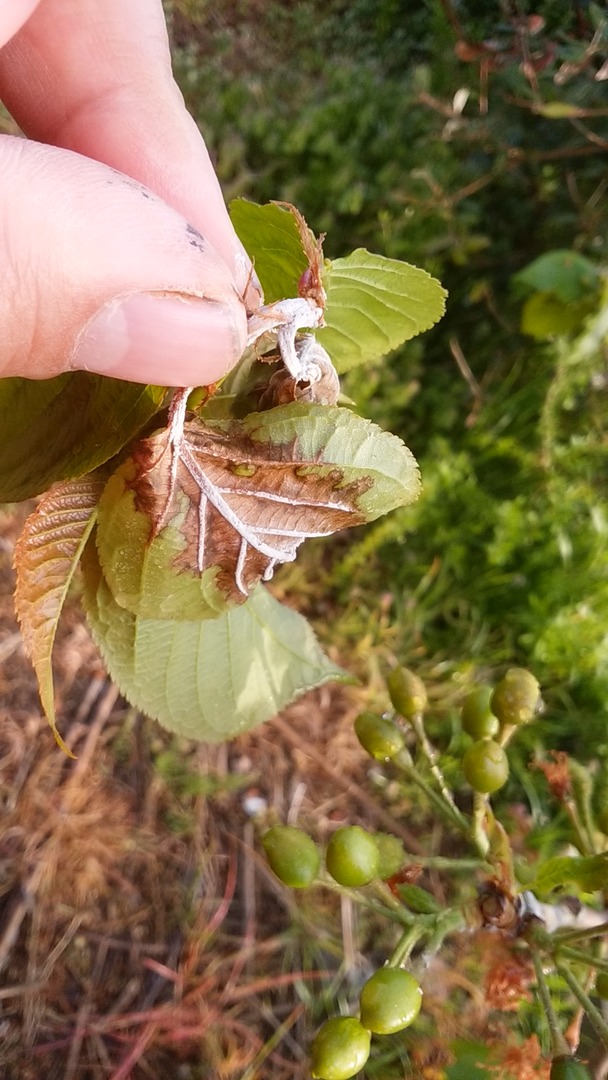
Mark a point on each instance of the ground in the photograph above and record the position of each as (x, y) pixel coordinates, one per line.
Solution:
(140, 929)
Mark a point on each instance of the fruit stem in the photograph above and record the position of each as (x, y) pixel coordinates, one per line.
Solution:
(583, 840)
(442, 862)
(596, 1018)
(579, 956)
(559, 1046)
(582, 934)
(582, 792)
(404, 761)
(430, 754)
(449, 922)
(479, 834)
(405, 945)
(388, 908)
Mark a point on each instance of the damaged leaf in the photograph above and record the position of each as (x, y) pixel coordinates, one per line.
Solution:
(186, 529)
(46, 556)
(273, 239)
(373, 304)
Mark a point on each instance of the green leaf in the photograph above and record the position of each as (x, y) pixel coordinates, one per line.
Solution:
(375, 304)
(589, 872)
(46, 556)
(557, 110)
(175, 546)
(566, 275)
(207, 680)
(418, 900)
(271, 238)
(544, 316)
(58, 429)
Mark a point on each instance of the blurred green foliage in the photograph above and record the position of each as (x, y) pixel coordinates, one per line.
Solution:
(469, 139)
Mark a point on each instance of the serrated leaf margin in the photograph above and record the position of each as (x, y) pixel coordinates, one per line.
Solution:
(48, 551)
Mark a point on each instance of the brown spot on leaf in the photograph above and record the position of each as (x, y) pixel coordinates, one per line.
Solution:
(249, 504)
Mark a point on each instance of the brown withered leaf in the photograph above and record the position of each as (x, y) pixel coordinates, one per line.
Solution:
(249, 504)
(46, 556)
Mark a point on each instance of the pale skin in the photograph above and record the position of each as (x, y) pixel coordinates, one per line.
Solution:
(116, 249)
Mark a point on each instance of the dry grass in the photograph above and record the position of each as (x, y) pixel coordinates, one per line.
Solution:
(141, 935)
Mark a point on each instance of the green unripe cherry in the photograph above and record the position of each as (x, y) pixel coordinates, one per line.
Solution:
(352, 856)
(381, 738)
(340, 1049)
(408, 692)
(486, 766)
(390, 1001)
(293, 856)
(476, 717)
(516, 698)
(568, 1068)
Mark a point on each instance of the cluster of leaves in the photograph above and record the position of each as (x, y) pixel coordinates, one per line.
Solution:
(534, 938)
(472, 141)
(177, 524)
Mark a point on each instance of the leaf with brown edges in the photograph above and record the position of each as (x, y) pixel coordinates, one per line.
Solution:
(46, 556)
(186, 529)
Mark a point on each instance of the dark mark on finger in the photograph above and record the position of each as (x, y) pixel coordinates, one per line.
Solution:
(195, 239)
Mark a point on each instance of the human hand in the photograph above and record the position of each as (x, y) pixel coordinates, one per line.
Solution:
(144, 283)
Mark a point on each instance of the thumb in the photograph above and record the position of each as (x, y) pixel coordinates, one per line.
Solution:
(100, 274)
(13, 14)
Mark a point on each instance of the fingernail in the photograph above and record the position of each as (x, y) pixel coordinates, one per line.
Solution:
(169, 340)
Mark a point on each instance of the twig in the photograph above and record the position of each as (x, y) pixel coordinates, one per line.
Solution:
(252, 1072)
(589, 135)
(430, 754)
(469, 378)
(20, 910)
(596, 1018)
(78, 1037)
